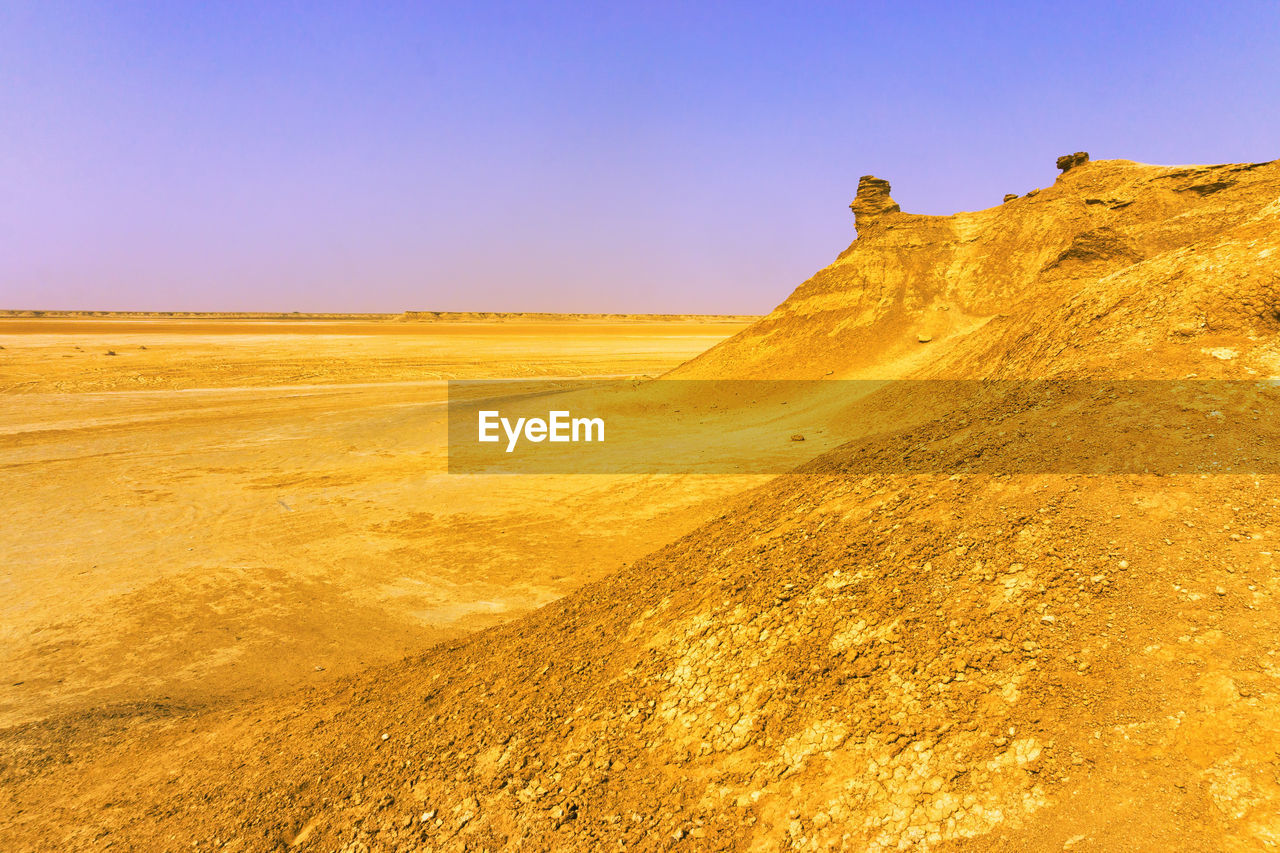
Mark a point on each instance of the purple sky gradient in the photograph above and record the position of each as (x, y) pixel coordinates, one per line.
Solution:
(563, 157)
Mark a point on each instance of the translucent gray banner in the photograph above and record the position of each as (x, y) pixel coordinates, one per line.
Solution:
(897, 426)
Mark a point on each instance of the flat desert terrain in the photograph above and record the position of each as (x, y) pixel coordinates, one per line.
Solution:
(204, 508)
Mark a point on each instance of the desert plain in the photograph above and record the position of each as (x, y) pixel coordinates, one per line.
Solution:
(247, 609)
(199, 508)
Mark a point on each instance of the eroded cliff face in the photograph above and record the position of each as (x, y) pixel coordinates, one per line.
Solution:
(1110, 235)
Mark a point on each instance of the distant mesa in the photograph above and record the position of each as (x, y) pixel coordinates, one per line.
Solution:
(1067, 162)
(872, 201)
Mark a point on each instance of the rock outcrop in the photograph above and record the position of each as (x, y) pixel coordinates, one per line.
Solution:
(872, 202)
(1067, 162)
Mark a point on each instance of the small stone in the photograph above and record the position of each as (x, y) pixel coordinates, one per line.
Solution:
(1220, 591)
(797, 437)
(923, 338)
(1008, 197)
(385, 735)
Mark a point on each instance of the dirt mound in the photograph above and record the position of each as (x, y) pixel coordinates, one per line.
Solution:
(843, 660)
(870, 662)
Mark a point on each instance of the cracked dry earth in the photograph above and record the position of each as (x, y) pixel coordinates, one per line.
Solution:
(848, 657)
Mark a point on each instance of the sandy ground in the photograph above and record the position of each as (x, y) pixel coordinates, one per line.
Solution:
(223, 510)
(853, 657)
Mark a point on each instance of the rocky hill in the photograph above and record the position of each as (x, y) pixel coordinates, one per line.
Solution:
(851, 657)
(1114, 256)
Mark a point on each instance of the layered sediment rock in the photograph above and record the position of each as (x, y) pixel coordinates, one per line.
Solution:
(1117, 231)
(872, 202)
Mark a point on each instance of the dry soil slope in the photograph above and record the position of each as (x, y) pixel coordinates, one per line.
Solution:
(843, 660)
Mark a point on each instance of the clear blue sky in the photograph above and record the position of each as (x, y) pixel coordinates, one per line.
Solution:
(563, 157)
